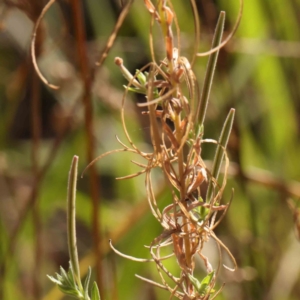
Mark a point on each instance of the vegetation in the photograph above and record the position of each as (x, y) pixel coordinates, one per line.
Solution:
(171, 150)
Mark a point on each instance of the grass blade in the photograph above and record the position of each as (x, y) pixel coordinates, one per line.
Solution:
(219, 155)
(210, 70)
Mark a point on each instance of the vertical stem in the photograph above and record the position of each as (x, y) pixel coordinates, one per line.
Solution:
(86, 78)
(156, 140)
(3, 261)
(36, 125)
(36, 133)
(71, 220)
(182, 189)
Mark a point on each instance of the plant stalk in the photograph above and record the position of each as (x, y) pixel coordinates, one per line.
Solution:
(71, 220)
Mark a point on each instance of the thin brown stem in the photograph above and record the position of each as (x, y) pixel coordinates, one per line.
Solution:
(87, 103)
(36, 133)
(113, 35)
(182, 190)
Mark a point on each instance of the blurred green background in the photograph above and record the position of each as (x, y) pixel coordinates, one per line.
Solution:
(258, 73)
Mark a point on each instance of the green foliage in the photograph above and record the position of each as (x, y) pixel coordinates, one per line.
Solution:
(67, 284)
(204, 286)
(70, 282)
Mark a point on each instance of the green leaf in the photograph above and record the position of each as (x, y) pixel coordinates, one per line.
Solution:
(223, 140)
(86, 284)
(87, 279)
(210, 70)
(65, 277)
(59, 277)
(135, 90)
(141, 77)
(54, 280)
(206, 282)
(203, 212)
(95, 295)
(69, 291)
(66, 283)
(195, 282)
(71, 276)
(202, 286)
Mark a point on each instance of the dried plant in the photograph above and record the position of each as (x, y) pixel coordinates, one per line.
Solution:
(176, 109)
(172, 97)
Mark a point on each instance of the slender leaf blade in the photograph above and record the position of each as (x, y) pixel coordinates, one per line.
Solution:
(95, 295)
(210, 70)
(219, 155)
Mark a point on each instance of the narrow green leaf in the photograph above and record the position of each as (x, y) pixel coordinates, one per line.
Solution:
(208, 278)
(54, 280)
(141, 77)
(87, 279)
(71, 276)
(210, 69)
(86, 295)
(71, 218)
(135, 90)
(63, 273)
(195, 282)
(203, 212)
(206, 282)
(65, 277)
(59, 277)
(95, 295)
(223, 140)
(69, 291)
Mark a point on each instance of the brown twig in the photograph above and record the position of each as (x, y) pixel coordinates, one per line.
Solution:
(90, 142)
(33, 54)
(113, 35)
(264, 178)
(229, 37)
(36, 134)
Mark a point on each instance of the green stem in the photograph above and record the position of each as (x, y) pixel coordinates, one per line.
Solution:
(71, 219)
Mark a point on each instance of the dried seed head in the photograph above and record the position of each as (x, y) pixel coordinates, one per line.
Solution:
(118, 61)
